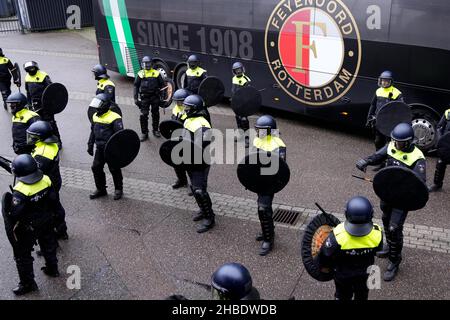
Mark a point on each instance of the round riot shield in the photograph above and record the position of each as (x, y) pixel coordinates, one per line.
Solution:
(167, 127)
(401, 188)
(55, 98)
(114, 107)
(211, 90)
(260, 173)
(165, 152)
(246, 101)
(6, 203)
(392, 114)
(443, 148)
(17, 77)
(122, 148)
(314, 237)
(167, 93)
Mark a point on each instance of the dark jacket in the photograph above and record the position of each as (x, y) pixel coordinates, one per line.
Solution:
(21, 121)
(382, 97)
(148, 85)
(103, 127)
(193, 79)
(6, 68)
(35, 86)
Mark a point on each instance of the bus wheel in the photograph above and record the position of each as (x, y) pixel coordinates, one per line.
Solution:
(424, 124)
(179, 77)
(163, 68)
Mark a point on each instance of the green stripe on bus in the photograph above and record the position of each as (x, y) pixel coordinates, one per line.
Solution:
(128, 35)
(113, 35)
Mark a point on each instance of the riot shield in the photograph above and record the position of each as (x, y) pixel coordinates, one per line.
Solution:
(260, 173)
(165, 152)
(55, 98)
(443, 148)
(392, 114)
(246, 101)
(314, 237)
(211, 90)
(167, 93)
(17, 77)
(167, 127)
(6, 203)
(122, 148)
(401, 188)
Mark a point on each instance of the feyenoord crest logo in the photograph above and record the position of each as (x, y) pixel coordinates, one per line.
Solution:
(313, 49)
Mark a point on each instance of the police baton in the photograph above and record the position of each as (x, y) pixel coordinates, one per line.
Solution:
(362, 178)
(5, 164)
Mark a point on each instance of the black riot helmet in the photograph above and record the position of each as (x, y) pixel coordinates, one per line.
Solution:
(31, 67)
(193, 61)
(194, 106)
(25, 169)
(16, 102)
(232, 281)
(238, 69)
(403, 136)
(265, 125)
(40, 131)
(100, 72)
(147, 63)
(358, 214)
(386, 79)
(101, 102)
(180, 95)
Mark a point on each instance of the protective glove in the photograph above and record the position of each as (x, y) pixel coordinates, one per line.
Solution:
(362, 164)
(90, 150)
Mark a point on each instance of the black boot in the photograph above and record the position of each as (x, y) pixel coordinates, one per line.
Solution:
(24, 288)
(143, 137)
(118, 194)
(156, 133)
(98, 194)
(268, 228)
(205, 204)
(391, 271)
(179, 184)
(198, 216)
(383, 254)
(51, 271)
(439, 175)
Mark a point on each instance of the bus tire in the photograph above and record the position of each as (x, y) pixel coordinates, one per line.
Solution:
(162, 67)
(179, 76)
(425, 128)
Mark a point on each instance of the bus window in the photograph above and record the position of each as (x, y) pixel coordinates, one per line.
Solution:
(418, 22)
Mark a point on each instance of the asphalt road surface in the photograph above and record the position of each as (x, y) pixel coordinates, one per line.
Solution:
(145, 245)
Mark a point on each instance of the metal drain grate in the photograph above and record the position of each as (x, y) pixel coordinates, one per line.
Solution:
(286, 216)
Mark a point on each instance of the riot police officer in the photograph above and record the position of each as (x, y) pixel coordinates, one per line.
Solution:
(104, 83)
(46, 153)
(401, 151)
(179, 114)
(232, 281)
(194, 74)
(385, 94)
(443, 127)
(197, 128)
(29, 218)
(104, 124)
(351, 248)
(7, 71)
(21, 120)
(266, 141)
(240, 80)
(147, 93)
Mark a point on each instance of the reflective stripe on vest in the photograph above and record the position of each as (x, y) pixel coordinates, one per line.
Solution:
(193, 124)
(102, 83)
(23, 116)
(268, 143)
(447, 114)
(4, 60)
(241, 81)
(46, 150)
(106, 118)
(177, 110)
(37, 78)
(197, 72)
(385, 92)
(31, 189)
(152, 73)
(349, 242)
(407, 158)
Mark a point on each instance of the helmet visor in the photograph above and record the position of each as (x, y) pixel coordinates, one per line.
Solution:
(147, 65)
(218, 295)
(238, 71)
(193, 64)
(262, 132)
(402, 145)
(96, 103)
(384, 83)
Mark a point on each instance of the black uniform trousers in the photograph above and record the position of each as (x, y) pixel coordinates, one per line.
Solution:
(265, 214)
(393, 221)
(351, 287)
(23, 239)
(99, 174)
(242, 123)
(5, 89)
(380, 139)
(439, 174)
(199, 178)
(199, 185)
(147, 104)
(181, 174)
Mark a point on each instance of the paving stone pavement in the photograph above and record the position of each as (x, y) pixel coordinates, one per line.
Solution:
(422, 237)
